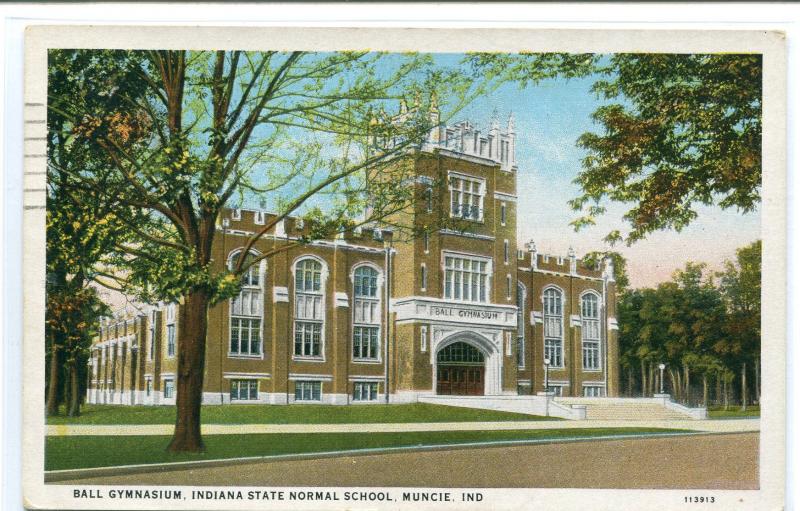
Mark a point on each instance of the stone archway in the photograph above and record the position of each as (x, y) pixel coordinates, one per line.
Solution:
(460, 370)
(480, 367)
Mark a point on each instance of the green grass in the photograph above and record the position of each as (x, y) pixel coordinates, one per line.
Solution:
(733, 411)
(70, 452)
(292, 414)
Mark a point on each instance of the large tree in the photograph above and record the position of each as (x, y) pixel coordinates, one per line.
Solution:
(305, 131)
(676, 131)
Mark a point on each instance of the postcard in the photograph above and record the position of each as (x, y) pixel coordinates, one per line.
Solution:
(362, 268)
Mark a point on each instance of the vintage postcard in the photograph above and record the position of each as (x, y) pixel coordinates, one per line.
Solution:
(316, 268)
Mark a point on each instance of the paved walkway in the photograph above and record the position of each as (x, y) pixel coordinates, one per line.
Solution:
(704, 461)
(710, 426)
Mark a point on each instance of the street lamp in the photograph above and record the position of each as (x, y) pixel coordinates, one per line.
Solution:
(661, 369)
(546, 375)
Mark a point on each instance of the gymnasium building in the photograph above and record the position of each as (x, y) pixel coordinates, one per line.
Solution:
(365, 318)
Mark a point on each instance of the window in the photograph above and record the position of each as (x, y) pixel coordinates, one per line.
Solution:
(423, 339)
(148, 387)
(557, 390)
(428, 198)
(244, 390)
(236, 214)
(505, 251)
(309, 311)
(246, 310)
(366, 314)
(466, 197)
(426, 242)
(365, 391)
(308, 391)
(259, 217)
(466, 279)
(502, 213)
(169, 388)
(171, 330)
(553, 327)
(171, 340)
(508, 287)
(423, 277)
(593, 391)
(151, 352)
(590, 331)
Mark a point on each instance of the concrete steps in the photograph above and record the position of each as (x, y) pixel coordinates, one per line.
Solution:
(630, 410)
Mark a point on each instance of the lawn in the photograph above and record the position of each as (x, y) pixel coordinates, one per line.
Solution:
(70, 452)
(733, 412)
(293, 414)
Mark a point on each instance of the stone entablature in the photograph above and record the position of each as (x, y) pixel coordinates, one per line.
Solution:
(440, 310)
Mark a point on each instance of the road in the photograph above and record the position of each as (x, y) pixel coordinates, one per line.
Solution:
(727, 461)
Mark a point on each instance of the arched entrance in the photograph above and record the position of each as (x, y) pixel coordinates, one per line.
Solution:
(460, 370)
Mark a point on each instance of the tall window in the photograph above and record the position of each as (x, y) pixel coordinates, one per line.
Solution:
(426, 241)
(553, 327)
(171, 330)
(423, 277)
(169, 388)
(151, 352)
(245, 334)
(466, 197)
(466, 279)
(520, 325)
(590, 331)
(366, 314)
(429, 198)
(502, 213)
(505, 251)
(309, 311)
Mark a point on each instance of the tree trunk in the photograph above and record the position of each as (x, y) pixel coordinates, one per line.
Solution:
(630, 381)
(192, 329)
(725, 395)
(718, 389)
(74, 386)
(644, 378)
(705, 390)
(686, 377)
(757, 385)
(52, 389)
(744, 386)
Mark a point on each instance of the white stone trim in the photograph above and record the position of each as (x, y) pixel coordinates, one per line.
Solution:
(280, 294)
(505, 196)
(310, 377)
(245, 376)
(340, 299)
(612, 324)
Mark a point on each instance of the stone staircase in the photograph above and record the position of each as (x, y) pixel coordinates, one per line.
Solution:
(632, 409)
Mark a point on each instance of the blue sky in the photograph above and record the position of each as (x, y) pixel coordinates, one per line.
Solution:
(549, 119)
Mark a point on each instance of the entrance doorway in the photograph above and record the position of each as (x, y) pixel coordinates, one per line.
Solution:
(460, 370)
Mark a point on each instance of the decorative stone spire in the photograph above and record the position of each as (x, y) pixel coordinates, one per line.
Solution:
(608, 269)
(531, 246)
(573, 261)
(511, 123)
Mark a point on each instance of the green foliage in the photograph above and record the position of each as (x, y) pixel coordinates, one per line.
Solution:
(676, 131)
(595, 259)
(708, 323)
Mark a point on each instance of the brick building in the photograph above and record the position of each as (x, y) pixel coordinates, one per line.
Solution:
(368, 318)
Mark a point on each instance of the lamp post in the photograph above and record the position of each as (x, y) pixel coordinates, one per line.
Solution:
(661, 370)
(546, 387)
(546, 375)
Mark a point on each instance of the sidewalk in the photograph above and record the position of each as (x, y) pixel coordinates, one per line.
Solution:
(708, 426)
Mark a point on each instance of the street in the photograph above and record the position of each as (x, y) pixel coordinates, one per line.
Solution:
(720, 461)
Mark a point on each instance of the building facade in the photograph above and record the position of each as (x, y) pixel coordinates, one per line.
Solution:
(365, 318)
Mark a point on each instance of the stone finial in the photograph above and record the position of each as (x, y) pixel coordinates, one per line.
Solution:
(573, 262)
(608, 269)
(531, 246)
(511, 124)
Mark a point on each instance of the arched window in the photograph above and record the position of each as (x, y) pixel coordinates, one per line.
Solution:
(246, 311)
(309, 308)
(366, 314)
(590, 331)
(554, 326)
